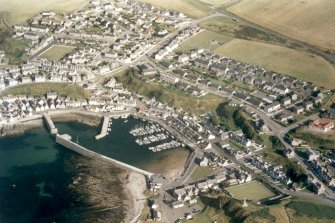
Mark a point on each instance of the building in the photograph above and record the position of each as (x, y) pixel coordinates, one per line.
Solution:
(177, 204)
(272, 107)
(322, 124)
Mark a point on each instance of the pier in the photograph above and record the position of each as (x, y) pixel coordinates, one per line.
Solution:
(49, 123)
(104, 128)
(65, 140)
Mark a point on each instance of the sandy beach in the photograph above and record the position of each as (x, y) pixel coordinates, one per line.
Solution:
(136, 186)
(171, 164)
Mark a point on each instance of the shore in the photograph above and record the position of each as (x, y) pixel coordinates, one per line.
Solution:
(136, 186)
(100, 190)
(23, 125)
(171, 164)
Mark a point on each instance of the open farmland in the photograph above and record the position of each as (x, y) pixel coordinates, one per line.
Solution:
(282, 60)
(57, 52)
(203, 40)
(185, 6)
(18, 11)
(250, 191)
(311, 21)
(216, 2)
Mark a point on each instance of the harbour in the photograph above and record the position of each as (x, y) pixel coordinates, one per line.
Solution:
(35, 168)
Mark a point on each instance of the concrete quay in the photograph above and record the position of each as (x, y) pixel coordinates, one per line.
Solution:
(65, 140)
(104, 128)
(49, 123)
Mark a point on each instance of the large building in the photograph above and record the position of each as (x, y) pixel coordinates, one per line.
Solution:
(322, 124)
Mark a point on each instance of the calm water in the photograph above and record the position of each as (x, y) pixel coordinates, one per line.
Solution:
(33, 177)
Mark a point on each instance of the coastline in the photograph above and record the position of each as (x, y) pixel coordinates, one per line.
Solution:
(135, 189)
(133, 184)
(36, 121)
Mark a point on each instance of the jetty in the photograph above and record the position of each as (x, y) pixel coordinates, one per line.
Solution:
(104, 128)
(65, 140)
(49, 123)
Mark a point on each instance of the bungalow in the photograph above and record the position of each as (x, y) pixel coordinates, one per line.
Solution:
(275, 106)
(183, 58)
(285, 117)
(297, 109)
(268, 86)
(249, 80)
(281, 89)
(286, 101)
(201, 63)
(255, 102)
(308, 105)
(177, 204)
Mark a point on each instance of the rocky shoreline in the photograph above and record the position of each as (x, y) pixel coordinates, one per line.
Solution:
(107, 193)
(99, 187)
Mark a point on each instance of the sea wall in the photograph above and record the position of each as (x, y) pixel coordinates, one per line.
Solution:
(63, 140)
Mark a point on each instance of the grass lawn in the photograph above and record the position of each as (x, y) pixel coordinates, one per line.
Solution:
(39, 89)
(19, 11)
(185, 6)
(202, 40)
(57, 52)
(201, 172)
(308, 20)
(282, 60)
(251, 191)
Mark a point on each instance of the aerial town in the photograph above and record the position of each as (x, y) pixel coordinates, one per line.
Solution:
(141, 40)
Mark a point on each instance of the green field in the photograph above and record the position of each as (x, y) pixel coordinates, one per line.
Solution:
(216, 2)
(316, 140)
(201, 172)
(202, 40)
(283, 60)
(251, 191)
(170, 94)
(18, 11)
(73, 91)
(310, 21)
(185, 6)
(307, 211)
(57, 52)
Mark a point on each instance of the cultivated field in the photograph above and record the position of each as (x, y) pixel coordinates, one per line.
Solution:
(250, 191)
(216, 2)
(57, 52)
(39, 89)
(311, 21)
(18, 11)
(185, 6)
(282, 60)
(203, 40)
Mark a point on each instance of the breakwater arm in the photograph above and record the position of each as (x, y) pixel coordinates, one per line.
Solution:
(65, 140)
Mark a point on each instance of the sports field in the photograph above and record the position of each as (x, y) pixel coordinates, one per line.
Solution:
(282, 60)
(311, 21)
(185, 6)
(251, 191)
(57, 52)
(203, 40)
(18, 11)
